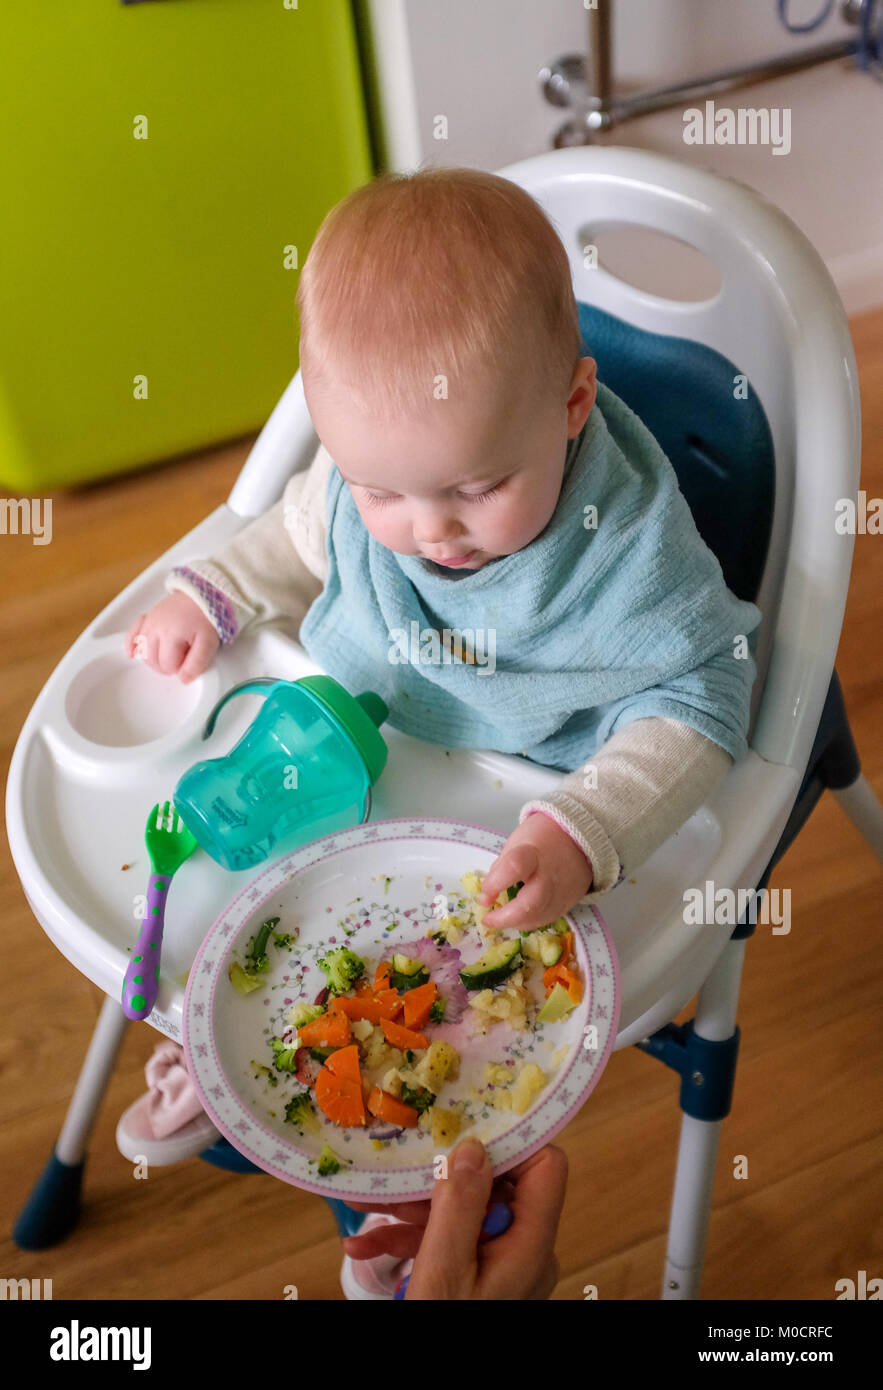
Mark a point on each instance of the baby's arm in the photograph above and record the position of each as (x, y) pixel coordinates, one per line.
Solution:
(651, 776)
(271, 571)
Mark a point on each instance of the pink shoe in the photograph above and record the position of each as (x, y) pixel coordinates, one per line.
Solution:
(379, 1277)
(167, 1124)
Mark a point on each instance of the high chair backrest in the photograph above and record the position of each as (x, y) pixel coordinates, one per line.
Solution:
(778, 320)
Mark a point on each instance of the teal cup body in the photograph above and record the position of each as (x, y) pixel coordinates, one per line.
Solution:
(293, 776)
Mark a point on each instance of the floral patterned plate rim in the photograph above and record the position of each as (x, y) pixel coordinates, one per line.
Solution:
(376, 888)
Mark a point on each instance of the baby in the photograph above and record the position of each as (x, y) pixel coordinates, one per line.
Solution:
(474, 477)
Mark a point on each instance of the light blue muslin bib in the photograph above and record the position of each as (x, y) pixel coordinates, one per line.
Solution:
(609, 615)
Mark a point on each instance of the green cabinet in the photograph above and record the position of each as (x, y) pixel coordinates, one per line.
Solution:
(147, 284)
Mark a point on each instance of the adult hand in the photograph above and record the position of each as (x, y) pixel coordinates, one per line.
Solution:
(552, 867)
(442, 1236)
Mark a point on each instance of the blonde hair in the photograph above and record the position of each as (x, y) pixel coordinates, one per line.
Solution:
(450, 273)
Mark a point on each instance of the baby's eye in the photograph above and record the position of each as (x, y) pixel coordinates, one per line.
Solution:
(378, 499)
(481, 496)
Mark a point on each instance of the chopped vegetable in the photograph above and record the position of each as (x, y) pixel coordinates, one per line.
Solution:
(257, 961)
(386, 1107)
(420, 1097)
(260, 1070)
(496, 965)
(305, 1013)
(418, 1004)
(340, 1098)
(241, 981)
(284, 1054)
(299, 1111)
(329, 1163)
(381, 976)
(402, 1037)
(342, 968)
(407, 973)
(386, 1004)
(344, 1062)
(437, 1012)
(329, 1030)
(445, 1126)
(562, 974)
(558, 1005)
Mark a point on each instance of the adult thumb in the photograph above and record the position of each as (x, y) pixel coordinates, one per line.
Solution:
(446, 1265)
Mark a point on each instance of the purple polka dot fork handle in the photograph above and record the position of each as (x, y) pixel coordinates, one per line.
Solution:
(169, 843)
(141, 985)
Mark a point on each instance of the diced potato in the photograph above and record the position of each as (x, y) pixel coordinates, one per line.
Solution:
(445, 1126)
(362, 1029)
(528, 1084)
(498, 1074)
(501, 1100)
(440, 1063)
(471, 881)
(392, 1082)
(509, 1003)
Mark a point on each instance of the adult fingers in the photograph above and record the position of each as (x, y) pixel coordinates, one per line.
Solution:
(529, 1244)
(402, 1240)
(446, 1266)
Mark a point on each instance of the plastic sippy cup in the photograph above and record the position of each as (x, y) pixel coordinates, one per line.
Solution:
(303, 768)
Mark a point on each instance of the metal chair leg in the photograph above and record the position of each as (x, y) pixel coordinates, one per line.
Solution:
(53, 1208)
(860, 803)
(704, 1052)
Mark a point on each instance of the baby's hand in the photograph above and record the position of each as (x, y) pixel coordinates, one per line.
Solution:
(174, 637)
(552, 867)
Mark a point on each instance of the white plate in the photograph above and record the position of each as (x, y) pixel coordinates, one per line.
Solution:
(337, 883)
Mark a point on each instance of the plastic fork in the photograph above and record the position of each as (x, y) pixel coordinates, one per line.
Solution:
(169, 843)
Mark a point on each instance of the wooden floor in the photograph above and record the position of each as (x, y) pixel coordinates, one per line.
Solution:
(808, 1107)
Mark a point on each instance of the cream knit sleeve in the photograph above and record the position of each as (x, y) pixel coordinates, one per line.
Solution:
(273, 569)
(634, 793)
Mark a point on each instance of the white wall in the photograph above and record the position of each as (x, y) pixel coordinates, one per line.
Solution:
(476, 62)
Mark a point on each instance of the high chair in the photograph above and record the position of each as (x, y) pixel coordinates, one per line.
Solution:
(762, 466)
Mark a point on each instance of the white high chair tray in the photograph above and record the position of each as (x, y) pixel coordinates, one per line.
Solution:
(107, 738)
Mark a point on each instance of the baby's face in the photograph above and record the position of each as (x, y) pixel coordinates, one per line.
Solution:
(471, 482)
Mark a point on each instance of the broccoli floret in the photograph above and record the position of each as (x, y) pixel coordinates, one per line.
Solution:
(437, 1012)
(283, 940)
(260, 1070)
(329, 1163)
(305, 1013)
(342, 968)
(257, 962)
(284, 1054)
(299, 1110)
(420, 1097)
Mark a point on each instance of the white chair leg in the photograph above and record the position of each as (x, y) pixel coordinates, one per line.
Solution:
(52, 1209)
(697, 1151)
(95, 1074)
(864, 810)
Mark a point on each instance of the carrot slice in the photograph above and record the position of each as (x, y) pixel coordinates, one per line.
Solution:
(562, 974)
(340, 1098)
(391, 1002)
(418, 1003)
(329, 1030)
(345, 1063)
(384, 1005)
(395, 1112)
(402, 1037)
(567, 948)
(381, 976)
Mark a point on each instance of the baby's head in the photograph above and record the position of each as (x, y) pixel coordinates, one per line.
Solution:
(440, 354)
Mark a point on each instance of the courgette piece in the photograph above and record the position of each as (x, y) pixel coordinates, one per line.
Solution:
(495, 966)
(558, 1005)
(407, 973)
(514, 888)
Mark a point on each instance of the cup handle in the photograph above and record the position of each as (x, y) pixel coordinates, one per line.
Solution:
(255, 684)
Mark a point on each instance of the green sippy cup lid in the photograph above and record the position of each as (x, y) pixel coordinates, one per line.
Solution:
(358, 715)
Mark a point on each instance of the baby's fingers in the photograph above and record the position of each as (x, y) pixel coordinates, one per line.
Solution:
(529, 909)
(401, 1240)
(202, 649)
